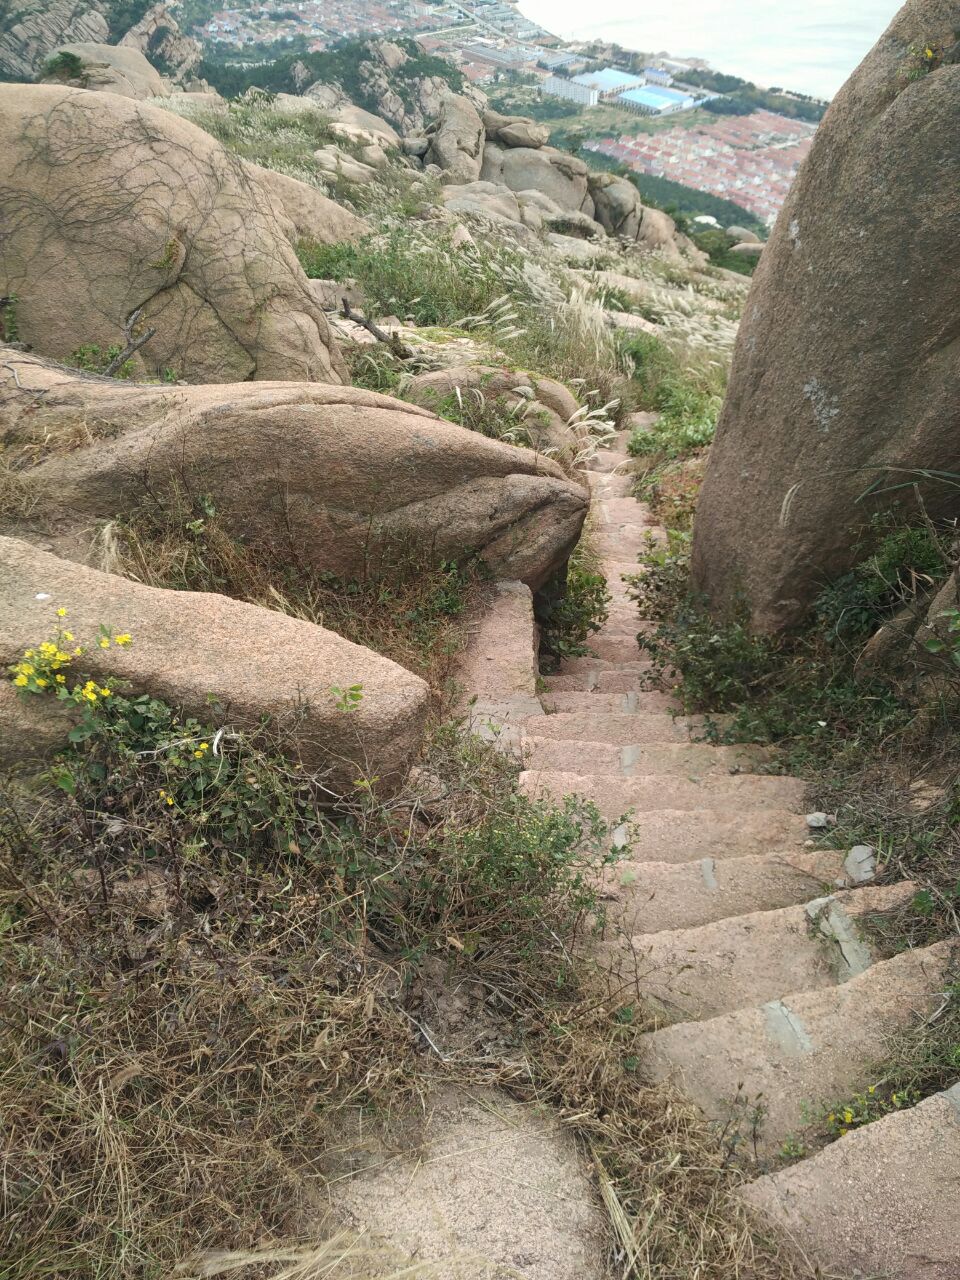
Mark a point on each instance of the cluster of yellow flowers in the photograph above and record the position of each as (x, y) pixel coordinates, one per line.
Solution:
(41, 669)
(201, 751)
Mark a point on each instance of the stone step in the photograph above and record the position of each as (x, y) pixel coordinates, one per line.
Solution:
(683, 836)
(748, 960)
(616, 647)
(882, 1201)
(647, 897)
(601, 678)
(616, 796)
(799, 1055)
(627, 704)
(633, 666)
(622, 729)
(682, 759)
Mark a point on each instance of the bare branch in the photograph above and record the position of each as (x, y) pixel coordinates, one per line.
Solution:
(133, 344)
(399, 349)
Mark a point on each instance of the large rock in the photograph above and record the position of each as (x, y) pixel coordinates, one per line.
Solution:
(620, 210)
(108, 207)
(846, 366)
(225, 662)
(158, 36)
(340, 164)
(558, 175)
(108, 68)
(314, 218)
(337, 478)
(514, 131)
(483, 199)
(456, 140)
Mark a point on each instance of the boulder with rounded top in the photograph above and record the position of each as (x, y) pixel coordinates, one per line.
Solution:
(106, 68)
(117, 215)
(314, 217)
(337, 478)
(227, 663)
(558, 175)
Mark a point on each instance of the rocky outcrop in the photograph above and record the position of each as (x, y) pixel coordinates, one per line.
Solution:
(106, 68)
(621, 212)
(393, 90)
(845, 368)
(456, 140)
(109, 207)
(160, 39)
(335, 477)
(546, 406)
(30, 30)
(514, 131)
(556, 174)
(312, 216)
(227, 663)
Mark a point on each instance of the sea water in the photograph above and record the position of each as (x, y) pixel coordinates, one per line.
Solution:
(809, 46)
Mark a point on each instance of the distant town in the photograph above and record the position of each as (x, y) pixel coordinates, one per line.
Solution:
(746, 155)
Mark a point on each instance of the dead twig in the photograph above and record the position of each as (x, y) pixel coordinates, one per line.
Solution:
(399, 349)
(133, 343)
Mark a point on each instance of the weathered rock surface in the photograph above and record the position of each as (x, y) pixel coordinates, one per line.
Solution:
(338, 163)
(109, 68)
(621, 212)
(547, 405)
(484, 200)
(514, 131)
(336, 477)
(108, 206)
(846, 362)
(743, 236)
(456, 140)
(313, 216)
(158, 36)
(560, 176)
(193, 647)
(32, 29)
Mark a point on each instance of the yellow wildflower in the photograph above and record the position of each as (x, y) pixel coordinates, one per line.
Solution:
(843, 1132)
(77, 652)
(68, 635)
(61, 613)
(41, 683)
(105, 693)
(198, 755)
(830, 1118)
(122, 639)
(20, 680)
(928, 53)
(60, 679)
(104, 642)
(848, 1116)
(26, 668)
(872, 1089)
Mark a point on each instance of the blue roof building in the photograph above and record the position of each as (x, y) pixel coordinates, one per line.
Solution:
(653, 100)
(609, 80)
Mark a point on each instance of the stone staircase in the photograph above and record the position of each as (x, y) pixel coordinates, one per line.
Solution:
(753, 944)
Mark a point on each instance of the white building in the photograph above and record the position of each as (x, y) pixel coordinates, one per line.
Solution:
(571, 91)
(655, 75)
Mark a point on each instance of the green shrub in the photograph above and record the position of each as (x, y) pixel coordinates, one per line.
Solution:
(64, 66)
(93, 359)
(907, 561)
(572, 608)
(687, 397)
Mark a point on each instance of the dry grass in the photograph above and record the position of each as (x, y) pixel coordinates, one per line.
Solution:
(667, 1183)
(411, 612)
